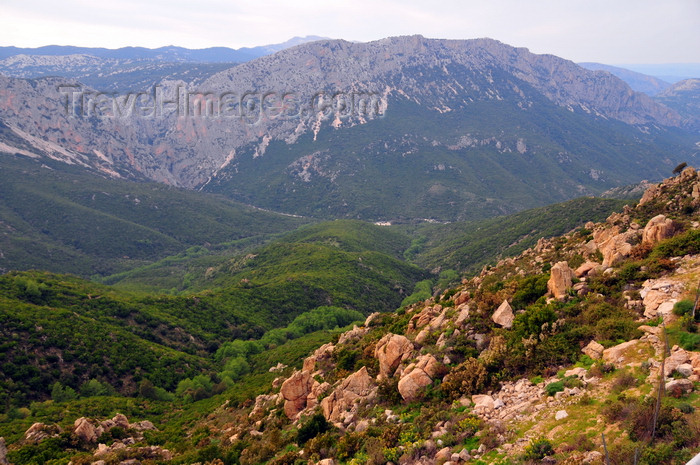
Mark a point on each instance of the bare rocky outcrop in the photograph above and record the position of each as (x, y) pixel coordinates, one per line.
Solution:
(295, 391)
(391, 350)
(560, 280)
(658, 229)
(614, 244)
(341, 405)
(503, 315)
(40, 431)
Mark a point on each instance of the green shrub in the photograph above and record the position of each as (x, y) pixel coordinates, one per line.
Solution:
(683, 307)
(469, 377)
(316, 425)
(678, 246)
(553, 388)
(538, 449)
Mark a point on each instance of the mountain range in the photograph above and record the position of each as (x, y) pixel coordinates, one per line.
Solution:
(404, 128)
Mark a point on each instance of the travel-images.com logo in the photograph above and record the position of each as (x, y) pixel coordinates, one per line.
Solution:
(248, 107)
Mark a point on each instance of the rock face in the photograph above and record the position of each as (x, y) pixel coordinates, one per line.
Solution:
(503, 315)
(560, 280)
(391, 350)
(594, 350)
(658, 229)
(339, 405)
(85, 430)
(417, 376)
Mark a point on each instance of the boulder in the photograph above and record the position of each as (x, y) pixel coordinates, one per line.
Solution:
(325, 352)
(586, 268)
(658, 229)
(684, 386)
(560, 415)
(353, 335)
(351, 390)
(443, 454)
(461, 298)
(619, 354)
(594, 350)
(391, 350)
(503, 315)
(463, 314)
(675, 360)
(121, 421)
(3, 452)
(411, 384)
(295, 391)
(560, 280)
(417, 376)
(84, 430)
(685, 370)
(483, 401)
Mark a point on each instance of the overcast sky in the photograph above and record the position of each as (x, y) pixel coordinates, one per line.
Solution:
(606, 31)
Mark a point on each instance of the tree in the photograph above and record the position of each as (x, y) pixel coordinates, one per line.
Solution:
(679, 169)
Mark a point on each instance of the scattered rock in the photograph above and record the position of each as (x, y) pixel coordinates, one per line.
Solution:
(503, 315)
(560, 415)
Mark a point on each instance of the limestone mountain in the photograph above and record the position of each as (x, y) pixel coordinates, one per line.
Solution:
(684, 97)
(639, 82)
(401, 128)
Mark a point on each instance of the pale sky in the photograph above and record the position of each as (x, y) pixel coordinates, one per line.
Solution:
(606, 31)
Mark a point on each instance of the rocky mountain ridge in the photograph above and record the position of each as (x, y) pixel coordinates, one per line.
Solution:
(303, 120)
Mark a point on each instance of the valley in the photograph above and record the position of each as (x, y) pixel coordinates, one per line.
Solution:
(491, 256)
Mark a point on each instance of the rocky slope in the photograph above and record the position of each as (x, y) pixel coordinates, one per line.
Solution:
(309, 120)
(418, 357)
(531, 360)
